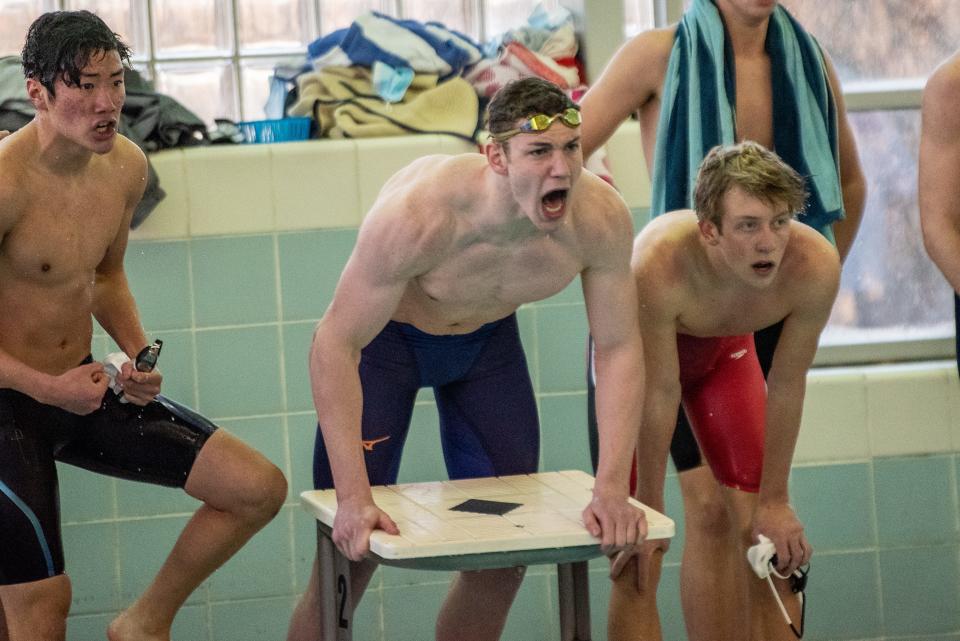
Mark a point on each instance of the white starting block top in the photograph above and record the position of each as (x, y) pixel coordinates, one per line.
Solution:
(549, 515)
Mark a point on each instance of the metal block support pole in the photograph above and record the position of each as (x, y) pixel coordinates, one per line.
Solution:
(573, 586)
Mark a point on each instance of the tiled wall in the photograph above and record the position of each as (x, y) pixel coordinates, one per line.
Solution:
(234, 269)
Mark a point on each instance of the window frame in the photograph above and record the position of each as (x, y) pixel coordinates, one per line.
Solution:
(606, 22)
(861, 96)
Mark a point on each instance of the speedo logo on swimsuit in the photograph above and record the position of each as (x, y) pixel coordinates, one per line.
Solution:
(738, 354)
(368, 445)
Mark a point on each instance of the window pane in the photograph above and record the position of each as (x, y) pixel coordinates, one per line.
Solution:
(890, 289)
(337, 14)
(127, 18)
(255, 78)
(192, 27)
(502, 15)
(206, 88)
(267, 25)
(460, 15)
(638, 16)
(17, 15)
(892, 39)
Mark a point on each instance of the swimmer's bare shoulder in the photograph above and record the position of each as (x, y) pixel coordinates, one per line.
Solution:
(601, 218)
(130, 163)
(414, 221)
(811, 266)
(662, 256)
(12, 170)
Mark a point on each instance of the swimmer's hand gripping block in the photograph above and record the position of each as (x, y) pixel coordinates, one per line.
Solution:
(548, 515)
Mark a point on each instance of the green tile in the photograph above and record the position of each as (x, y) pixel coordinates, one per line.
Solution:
(85, 627)
(640, 216)
(266, 435)
(98, 345)
(915, 500)
(302, 429)
(88, 550)
(836, 505)
(421, 601)
(297, 338)
(304, 544)
(920, 590)
(572, 293)
(533, 615)
(159, 278)
(262, 567)
(527, 324)
(143, 547)
(422, 455)
(253, 620)
(600, 585)
(563, 433)
(668, 604)
(191, 623)
(239, 371)
(844, 596)
(562, 342)
(368, 617)
(177, 364)
(85, 495)
(144, 499)
(310, 266)
(234, 280)
(673, 506)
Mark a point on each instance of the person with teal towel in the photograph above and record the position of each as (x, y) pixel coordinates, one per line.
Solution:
(729, 71)
(939, 182)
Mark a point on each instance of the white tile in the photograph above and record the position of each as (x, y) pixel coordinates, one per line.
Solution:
(492, 527)
(625, 157)
(380, 158)
(415, 533)
(230, 189)
(171, 217)
(908, 411)
(429, 492)
(527, 484)
(834, 423)
(315, 184)
(546, 523)
(479, 488)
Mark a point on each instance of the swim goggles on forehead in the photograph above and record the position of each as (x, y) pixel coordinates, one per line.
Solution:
(540, 122)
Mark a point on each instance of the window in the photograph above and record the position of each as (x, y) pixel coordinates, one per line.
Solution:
(216, 56)
(890, 291)
(893, 303)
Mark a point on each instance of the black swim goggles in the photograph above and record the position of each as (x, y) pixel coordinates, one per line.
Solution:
(541, 122)
(147, 358)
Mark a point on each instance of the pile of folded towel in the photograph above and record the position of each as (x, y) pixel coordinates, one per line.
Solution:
(383, 76)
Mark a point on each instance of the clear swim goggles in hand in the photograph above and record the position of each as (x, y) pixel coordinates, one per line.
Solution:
(540, 122)
(762, 558)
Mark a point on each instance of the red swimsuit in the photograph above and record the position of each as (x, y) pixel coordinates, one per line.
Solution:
(724, 395)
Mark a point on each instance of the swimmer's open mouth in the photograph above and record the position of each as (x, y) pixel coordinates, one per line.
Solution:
(554, 202)
(763, 266)
(105, 126)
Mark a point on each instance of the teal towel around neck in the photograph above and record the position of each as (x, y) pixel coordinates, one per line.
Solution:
(698, 111)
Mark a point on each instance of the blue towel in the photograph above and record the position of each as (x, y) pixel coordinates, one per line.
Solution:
(698, 111)
(424, 47)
